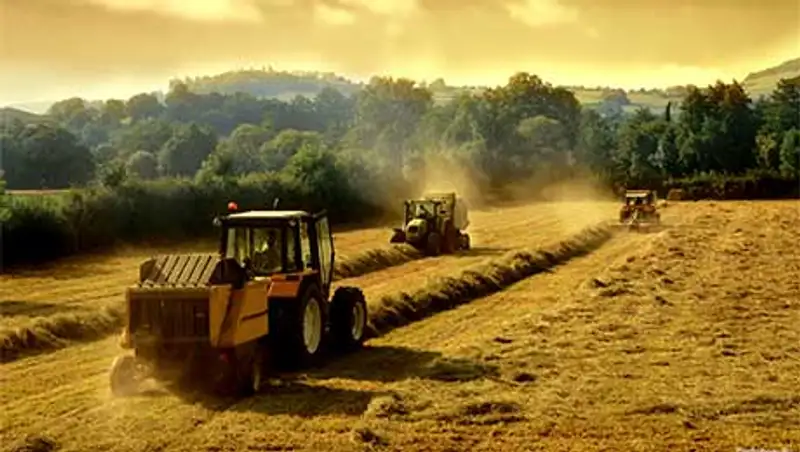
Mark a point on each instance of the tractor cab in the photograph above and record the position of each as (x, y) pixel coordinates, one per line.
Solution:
(639, 198)
(267, 243)
(639, 208)
(434, 224)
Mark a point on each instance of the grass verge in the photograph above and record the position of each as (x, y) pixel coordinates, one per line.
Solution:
(403, 308)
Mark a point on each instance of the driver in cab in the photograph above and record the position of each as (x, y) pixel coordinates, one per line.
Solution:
(267, 253)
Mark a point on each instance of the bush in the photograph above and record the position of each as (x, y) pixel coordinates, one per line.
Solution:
(754, 185)
(41, 228)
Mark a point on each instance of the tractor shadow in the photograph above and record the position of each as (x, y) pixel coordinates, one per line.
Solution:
(644, 229)
(389, 364)
(17, 308)
(319, 392)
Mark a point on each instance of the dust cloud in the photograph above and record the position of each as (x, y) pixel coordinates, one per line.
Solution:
(441, 173)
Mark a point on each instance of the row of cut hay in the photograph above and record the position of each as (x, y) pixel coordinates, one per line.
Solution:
(374, 260)
(58, 331)
(397, 310)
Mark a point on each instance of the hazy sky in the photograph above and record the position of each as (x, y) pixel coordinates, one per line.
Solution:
(51, 49)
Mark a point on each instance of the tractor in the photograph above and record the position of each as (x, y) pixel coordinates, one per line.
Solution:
(434, 224)
(639, 210)
(264, 298)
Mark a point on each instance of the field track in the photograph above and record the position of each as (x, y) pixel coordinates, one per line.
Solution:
(685, 337)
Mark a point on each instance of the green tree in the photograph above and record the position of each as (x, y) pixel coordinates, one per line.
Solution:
(184, 153)
(72, 113)
(637, 151)
(278, 151)
(112, 113)
(387, 113)
(43, 156)
(143, 106)
(316, 173)
(595, 144)
(146, 135)
(241, 153)
(335, 112)
(142, 164)
(181, 104)
(790, 154)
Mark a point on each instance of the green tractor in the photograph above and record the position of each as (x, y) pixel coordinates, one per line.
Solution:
(434, 224)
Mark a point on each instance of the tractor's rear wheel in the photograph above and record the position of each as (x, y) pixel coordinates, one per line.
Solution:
(464, 242)
(450, 243)
(348, 319)
(297, 329)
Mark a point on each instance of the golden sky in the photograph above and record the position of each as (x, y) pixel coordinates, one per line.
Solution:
(101, 48)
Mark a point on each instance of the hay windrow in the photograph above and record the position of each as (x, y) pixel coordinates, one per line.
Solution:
(57, 331)
(403, 308)
(375, 260)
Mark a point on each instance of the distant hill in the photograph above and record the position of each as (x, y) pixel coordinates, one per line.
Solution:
(285, 85)
(8, 114)
(763, 82)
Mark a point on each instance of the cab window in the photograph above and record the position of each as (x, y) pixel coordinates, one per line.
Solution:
(266, 251)
(305, 246)
(291, 250)
(257, 249)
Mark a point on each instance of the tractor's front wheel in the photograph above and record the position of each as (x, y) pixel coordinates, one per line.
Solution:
(348, 319)
(241, 370)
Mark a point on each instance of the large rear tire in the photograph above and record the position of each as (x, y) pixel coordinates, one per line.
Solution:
(464, 242)
(433, 244)
(297, 329)
(348, 319)
(450, 242)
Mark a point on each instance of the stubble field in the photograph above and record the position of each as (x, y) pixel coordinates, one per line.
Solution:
(686, 337)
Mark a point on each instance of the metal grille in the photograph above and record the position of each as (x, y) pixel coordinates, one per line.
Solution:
(173, 319)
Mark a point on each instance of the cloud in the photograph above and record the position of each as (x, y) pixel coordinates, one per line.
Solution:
(536, 13)
(203, 10)
(332, 15)
(591, 40)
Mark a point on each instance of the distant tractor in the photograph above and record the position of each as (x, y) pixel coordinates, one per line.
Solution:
(434, 224)
(639, 209)
(220, 318)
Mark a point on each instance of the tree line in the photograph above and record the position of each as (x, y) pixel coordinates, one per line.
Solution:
(353, 153)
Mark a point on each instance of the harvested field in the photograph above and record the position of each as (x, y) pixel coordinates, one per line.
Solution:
(685, 338)
(35, 304)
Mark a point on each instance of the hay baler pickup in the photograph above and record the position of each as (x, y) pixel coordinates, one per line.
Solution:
(221, 317)
(434, 224)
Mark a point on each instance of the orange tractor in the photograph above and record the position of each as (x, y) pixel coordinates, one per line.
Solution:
(220, 318)
(639, 210)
